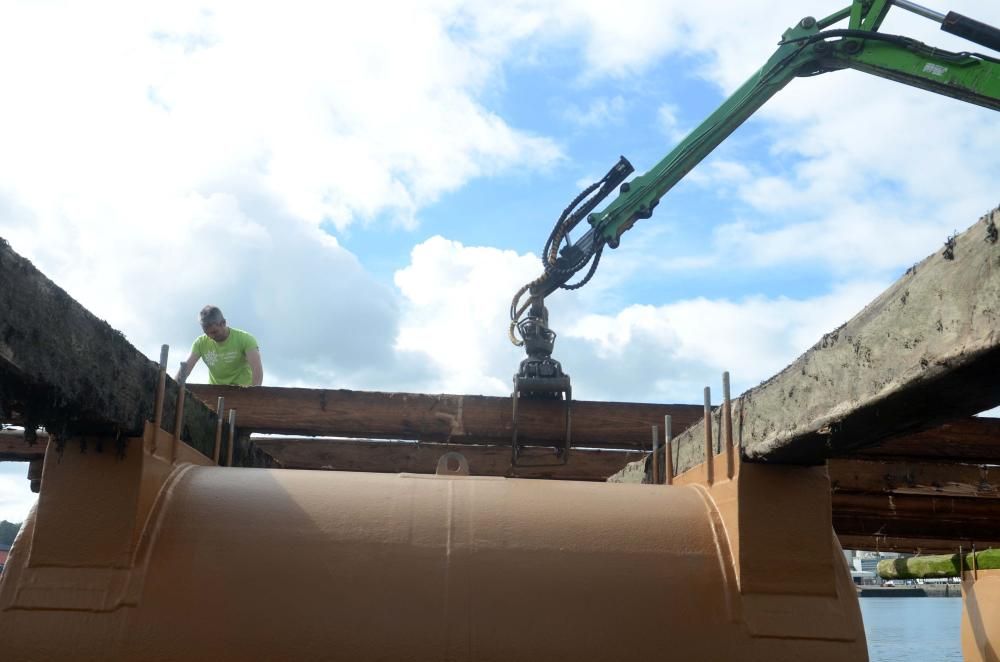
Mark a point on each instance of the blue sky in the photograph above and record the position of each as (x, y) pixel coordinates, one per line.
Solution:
(365, 187)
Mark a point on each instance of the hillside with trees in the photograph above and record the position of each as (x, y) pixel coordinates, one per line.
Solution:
(8, 530)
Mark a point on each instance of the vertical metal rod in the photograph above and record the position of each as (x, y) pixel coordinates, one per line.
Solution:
(161, 387)
(179, 418)
(709, 455)
(232, 437)
(219, 420)
(668, 452)
(656, 455)
(727, 427)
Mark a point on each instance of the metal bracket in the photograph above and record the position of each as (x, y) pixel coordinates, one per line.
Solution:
(552, 387)
(539, 377)
(452, 463)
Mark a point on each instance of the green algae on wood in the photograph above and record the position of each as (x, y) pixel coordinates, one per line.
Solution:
(936, 566)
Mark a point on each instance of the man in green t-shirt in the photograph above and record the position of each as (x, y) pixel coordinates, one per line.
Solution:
(232, 355)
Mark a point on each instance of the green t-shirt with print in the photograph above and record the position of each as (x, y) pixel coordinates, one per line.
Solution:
(227, 360)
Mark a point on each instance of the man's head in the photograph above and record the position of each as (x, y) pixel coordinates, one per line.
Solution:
(213, 323)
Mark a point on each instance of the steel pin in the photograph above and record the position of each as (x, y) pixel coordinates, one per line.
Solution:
(179, 419)
(709, 454)
(667, 435)
(656, 457)
(219, 420)
(232, 437)
(161, 387)
(727, 427)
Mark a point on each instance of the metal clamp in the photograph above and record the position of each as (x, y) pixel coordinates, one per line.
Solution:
(552, 388)
(540, 377)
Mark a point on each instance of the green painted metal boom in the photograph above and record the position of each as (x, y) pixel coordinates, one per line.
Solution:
(807, 49)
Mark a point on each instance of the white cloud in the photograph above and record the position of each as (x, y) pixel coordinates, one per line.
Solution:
(158, 159)
(339, 117)
(601, 111)
(668, 353)
(849, 241)
(669, 124)
(454, 313)
(644, 353)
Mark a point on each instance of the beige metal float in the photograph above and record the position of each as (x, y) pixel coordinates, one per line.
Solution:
(129, 556)
(981, 615)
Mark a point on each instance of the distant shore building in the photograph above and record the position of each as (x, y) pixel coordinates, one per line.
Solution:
(863, 565)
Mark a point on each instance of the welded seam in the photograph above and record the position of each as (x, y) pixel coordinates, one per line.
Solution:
(720, 538)
(150, 534)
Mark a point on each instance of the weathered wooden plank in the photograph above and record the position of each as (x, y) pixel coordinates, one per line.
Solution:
(970, 440)
(15, 448)
(380, 456)
(65, 369)
(457, 419)
(923, 352)
(916, 478)
(918, 517)
(912, 545)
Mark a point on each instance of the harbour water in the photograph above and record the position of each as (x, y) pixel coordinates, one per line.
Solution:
(912, 629)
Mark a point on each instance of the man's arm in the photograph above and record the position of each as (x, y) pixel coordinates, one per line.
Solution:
(187, 367)
(256, 367)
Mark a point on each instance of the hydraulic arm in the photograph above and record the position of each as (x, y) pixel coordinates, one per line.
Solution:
(807, 49)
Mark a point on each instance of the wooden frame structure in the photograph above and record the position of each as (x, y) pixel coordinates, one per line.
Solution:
(886, 400)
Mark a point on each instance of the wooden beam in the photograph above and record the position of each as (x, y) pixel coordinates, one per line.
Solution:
(915, 506)
(971, 441)
(15, 448)
(914, 545)
(456, 419)
(62, 367)
(966, 441)
(917, 517)
(380, 456)
(914, 478)
(923, 352)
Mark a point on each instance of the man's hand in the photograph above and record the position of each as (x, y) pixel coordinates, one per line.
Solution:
(186, 368)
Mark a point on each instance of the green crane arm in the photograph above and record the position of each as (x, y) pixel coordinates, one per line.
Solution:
(807, 49)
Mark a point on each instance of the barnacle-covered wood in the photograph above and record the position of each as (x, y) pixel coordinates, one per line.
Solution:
(63, 368)
(926, 351)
